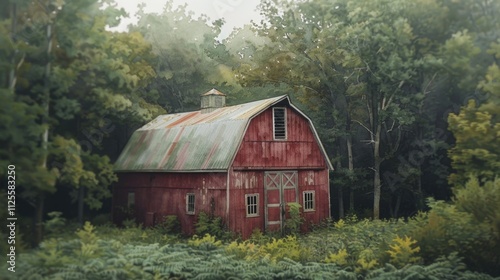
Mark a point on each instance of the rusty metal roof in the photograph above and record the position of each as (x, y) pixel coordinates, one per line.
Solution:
(192, 141)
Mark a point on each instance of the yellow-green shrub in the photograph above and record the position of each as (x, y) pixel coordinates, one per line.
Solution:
(88, 238)
(339, 258)
(274, 250)
(403, 251)
(207, 241)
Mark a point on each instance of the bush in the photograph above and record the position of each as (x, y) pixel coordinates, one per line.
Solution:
(363, 241)
(469, 226)
(55, 224)
(403, 251)
(170, 224)
(208, 242)
(275, 250)
(293, 223)
(211, 225)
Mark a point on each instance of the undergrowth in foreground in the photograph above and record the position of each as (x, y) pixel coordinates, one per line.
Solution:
(134, 253)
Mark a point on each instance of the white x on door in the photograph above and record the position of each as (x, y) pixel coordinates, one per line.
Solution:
(280, 188)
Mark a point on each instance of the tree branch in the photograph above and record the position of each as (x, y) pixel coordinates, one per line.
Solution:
(367, 129)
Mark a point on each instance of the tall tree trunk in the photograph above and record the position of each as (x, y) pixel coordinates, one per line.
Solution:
(45, 138)
(376, 177)
(350, 160)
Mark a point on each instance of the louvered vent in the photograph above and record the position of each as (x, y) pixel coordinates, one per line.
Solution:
(279, 117)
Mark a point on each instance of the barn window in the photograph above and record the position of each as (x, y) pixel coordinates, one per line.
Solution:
(131, 200)
(190, 203)
(252, 204)
(308, 201)
(279, 123)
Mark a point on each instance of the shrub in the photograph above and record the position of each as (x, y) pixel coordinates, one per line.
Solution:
(258, 237)
(55, 224)
(293, 223)
(211, 225)
(129, 223)
(403, 250)
(208, 242)
(88, 240)
(339, 258)
(275, 250)
(371, 238)
(170, 224)
(469, 226)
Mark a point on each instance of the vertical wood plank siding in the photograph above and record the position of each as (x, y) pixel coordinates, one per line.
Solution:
(251, 182)
(165, 194)
(259, 151)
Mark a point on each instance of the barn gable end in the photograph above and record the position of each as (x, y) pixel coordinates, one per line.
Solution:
(259, 149)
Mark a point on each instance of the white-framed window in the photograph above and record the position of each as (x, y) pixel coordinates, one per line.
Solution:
(279, 123)
(309, 201)
(131, 200)
(252, 204)
(190, 203)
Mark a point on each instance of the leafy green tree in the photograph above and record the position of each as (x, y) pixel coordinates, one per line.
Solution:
(72, 77)
(476, 128)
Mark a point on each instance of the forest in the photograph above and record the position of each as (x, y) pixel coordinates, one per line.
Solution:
(405, 96)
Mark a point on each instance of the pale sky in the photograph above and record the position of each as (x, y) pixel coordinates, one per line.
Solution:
(235, 12)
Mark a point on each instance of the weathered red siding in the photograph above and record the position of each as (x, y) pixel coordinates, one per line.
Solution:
(260, 151)
(317, 181)
(252, 182)
(245, 182)
(161, 194)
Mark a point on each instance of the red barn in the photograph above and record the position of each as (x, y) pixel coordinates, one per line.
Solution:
(243, 163)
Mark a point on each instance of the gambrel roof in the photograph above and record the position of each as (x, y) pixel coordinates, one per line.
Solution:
(195, 141)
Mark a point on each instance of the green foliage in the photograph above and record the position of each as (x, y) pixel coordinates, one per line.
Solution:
(403, 251)
(208, 242)
(293, 223)
(482, 201)
(88, 239)
(122, 255)
(339, 258)
(476, 152)
(476, 128)
(359, 238)
(206, 224)
(169, 225)
(449, 230)
(449, 267)
(274, 250)
(55, 224)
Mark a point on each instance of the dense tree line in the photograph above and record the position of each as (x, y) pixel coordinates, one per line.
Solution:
(405, 94)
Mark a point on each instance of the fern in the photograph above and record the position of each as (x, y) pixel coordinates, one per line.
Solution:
(118, 260)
